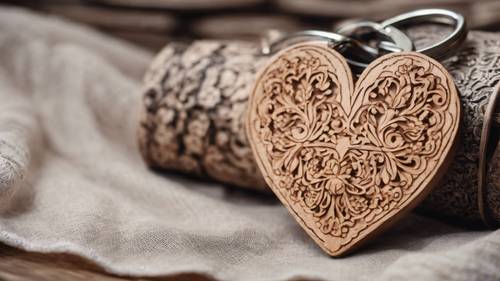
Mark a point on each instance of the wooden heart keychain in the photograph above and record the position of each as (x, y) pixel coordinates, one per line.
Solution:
(348, 158)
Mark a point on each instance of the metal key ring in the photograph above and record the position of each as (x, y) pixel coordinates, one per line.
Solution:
(337, 41)
(388, 28)
(400, 41)
(305, 35)
(444, 48)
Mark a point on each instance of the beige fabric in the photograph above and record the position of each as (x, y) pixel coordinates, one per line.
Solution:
(71, 180)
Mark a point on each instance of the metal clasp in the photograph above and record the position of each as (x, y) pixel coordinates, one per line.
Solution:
(350, 39)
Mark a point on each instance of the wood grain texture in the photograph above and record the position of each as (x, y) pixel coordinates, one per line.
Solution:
(18, 265)
(208, 121)
(348, 160)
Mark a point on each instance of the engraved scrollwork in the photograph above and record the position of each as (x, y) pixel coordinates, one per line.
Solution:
(343, 160)
(175, 80)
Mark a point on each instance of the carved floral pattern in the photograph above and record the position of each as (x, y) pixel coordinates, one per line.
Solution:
(166, 110)
(344, 160)
(194, 96)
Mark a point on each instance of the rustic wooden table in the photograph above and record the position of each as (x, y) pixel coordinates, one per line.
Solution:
(18, 265)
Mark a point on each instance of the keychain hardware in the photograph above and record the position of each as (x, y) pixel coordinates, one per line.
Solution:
(391, 39)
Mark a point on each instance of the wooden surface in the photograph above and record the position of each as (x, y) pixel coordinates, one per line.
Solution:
(17, 265)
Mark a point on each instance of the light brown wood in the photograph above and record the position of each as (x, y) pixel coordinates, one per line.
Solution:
(346, 160)
(18, 265)
(203, 134)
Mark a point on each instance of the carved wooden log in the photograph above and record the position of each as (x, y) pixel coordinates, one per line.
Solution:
(195, 98)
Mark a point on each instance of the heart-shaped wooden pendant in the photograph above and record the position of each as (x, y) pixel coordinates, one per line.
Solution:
(347, 161)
